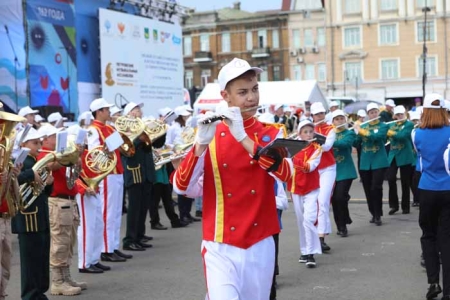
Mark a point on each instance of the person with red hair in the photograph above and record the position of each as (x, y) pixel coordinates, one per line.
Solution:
(431, 141)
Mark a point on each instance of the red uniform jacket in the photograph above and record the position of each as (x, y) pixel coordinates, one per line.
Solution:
(305, 177)
(327, 154)
(238, 193)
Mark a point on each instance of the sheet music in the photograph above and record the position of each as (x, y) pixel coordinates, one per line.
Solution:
(61, 141)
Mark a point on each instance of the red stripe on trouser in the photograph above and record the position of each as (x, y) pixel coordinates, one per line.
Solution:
(105, 213)
(84, 231)
(204, 268)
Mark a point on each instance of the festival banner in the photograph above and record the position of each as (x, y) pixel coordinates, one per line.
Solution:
(52, 53)
(13, 83)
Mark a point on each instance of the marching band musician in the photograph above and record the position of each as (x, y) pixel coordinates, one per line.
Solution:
(374, 162)
(111, 188)
(174, 137)
(28, 113)
(414, 117)
(327, 171)
(400, 157)
(32, 226)
(345, 172)
(305, 186)
(361, 116)
(139, 176)
(90, 231)
(236, 233)
(431, 141)
(64, 222)
(5, 231)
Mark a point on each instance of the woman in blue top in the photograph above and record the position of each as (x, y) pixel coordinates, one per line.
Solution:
(431, 140)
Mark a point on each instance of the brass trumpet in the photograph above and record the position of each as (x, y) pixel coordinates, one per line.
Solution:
(178, 151)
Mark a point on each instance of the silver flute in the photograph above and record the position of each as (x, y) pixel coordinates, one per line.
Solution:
(222, 117)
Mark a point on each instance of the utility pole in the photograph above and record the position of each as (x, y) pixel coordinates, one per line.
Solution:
(425, 10)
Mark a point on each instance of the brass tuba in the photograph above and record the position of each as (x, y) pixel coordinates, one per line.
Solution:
(100, 163)
(30, 191)
(129, 129)
(8, 189)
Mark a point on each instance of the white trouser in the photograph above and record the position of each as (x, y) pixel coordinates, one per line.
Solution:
(306, 210)
(327, 179)
(90, 230)
(238, 274)
(111, 197)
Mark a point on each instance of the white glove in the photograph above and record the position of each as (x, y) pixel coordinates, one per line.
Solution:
(205, 132)
(235, 122)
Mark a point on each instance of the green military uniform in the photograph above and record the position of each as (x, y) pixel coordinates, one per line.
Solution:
(139, 175)
(33, 228)
(342, 149)
(401, 143)
(372, 137)
(386, 116)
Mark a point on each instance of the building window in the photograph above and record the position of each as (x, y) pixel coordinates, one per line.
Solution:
(262, 38)
(322, 76)
(308, 38)
(226, 44)
(388, 4)
(352, 6)
(297, 72)
(307, 5)
(205, 76)
(428, 31)
(389, 69)
(275, 39)
(263, 76)
(310, 73)
(352, 37)
(296, 38)
(321, 38)
(187, 46)
(249, 40)
(276, 73)
(421, 3)
(188, 79)
(431, 66)
(204, 42)
(352, 71)
(388, 34)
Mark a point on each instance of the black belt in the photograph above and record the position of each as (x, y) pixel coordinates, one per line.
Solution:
(65, 197)
(5, 215)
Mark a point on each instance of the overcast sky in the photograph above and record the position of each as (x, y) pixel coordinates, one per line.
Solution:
(248, 5)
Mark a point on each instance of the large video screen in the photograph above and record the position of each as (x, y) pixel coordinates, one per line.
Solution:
(141, 61)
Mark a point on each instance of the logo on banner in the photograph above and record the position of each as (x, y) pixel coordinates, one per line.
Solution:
(109, 75)
(107, 25)
(164, 36)
(137, 32)
(146, 33)
(121, 27)
(176, 40)
(155, 35)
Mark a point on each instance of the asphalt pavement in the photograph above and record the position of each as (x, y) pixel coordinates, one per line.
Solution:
(373, 263)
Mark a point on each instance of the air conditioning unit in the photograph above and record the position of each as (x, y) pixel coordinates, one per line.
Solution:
(294, 53)
(315, 49)
(300, 60)
(302, 50)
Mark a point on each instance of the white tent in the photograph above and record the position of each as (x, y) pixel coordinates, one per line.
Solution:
(291, 93)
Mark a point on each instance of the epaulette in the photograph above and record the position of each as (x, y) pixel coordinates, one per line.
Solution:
(277, 126)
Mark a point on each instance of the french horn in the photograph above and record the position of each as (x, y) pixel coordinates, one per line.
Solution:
(99, 163)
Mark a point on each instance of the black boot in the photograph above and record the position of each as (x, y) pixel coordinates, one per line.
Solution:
(325, 247)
